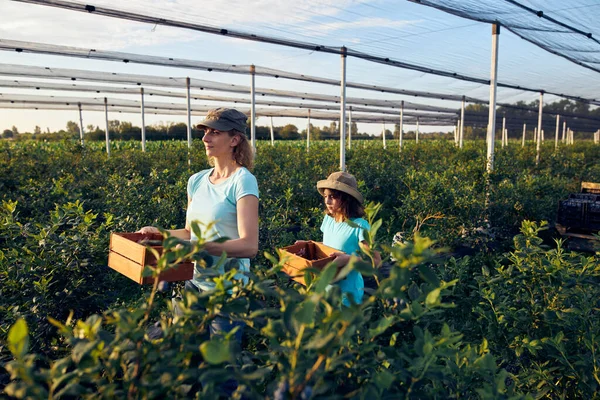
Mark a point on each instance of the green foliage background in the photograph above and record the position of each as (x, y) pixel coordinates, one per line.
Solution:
(512, 317)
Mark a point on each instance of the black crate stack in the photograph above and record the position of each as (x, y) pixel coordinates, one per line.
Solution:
(580, 211)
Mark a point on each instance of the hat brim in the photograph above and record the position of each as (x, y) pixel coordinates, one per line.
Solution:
(339, 186)
(215, 124)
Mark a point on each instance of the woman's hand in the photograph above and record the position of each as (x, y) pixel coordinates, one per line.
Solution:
(146, 230)
(303, 242)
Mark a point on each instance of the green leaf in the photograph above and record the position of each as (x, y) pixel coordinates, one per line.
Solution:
(383, 379)
(319, 341)
(382, 326)
(18, 338)
(305, 313)
(428, 275)
(433, 298)
(216, 351)
(325, 278)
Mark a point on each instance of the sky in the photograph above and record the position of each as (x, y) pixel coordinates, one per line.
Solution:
(400, 30)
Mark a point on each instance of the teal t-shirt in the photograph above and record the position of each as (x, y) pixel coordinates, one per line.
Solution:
(343, 237)
(218, 203)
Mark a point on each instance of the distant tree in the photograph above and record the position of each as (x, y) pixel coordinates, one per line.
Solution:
(90, 128)
(47, 129)
(7, 134)
(72, 128)
(15, 131)
(113, 125)
(333, 128)
(290, 131)
(37, 130)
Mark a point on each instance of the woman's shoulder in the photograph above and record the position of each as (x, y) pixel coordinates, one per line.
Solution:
(200, 174)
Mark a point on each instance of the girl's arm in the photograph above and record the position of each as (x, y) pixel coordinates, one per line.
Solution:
(247, 244)
(341, 259)
(178, 233)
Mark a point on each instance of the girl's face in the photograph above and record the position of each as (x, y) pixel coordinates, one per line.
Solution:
(332, 201)
(218, 143)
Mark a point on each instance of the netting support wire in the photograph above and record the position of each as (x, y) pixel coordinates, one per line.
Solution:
(383, 135)
(462, 124)
(417, 132)
(350, 127)
(343, 111)
(503, 129)
(142, 111)
(493, 86)
(272, 133)
(524, 130)
(564, 138)
(556, 133)
(80, 123)
(107, 133)
(308, 132)
(401, 127)
(538, 144)
(253, 107)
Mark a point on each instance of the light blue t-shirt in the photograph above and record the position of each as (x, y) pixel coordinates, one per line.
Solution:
(218, 203)
(343, 237)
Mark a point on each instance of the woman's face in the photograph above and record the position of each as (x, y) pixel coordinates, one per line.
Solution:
(218, 143)
(332, 201)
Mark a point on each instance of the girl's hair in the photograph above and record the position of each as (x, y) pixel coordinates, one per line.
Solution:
(349, 206)
(242, 153)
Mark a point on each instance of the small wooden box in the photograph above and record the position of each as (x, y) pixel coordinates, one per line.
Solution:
(129, 257)
(305, 255)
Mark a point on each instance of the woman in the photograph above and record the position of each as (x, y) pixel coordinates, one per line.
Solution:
(225, 195)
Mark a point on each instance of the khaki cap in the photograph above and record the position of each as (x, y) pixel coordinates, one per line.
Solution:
(224, 119)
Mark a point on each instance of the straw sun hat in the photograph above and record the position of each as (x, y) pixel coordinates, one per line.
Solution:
(343, 182)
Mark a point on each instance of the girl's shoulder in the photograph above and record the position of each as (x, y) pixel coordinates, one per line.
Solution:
(363, 223)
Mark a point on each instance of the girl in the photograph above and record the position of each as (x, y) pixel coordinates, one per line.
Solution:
(343, 203)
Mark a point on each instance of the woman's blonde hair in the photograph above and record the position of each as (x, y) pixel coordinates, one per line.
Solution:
(242, 153)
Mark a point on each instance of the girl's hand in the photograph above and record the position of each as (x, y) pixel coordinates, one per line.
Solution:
(341, 259)
(301, 242)
(146, 230)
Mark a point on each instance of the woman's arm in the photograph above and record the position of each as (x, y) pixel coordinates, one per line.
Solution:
(247, 244)
(178, 233)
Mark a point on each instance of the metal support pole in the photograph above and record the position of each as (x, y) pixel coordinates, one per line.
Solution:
(462, 124)
(80, 123)
(253, 108)
(417, 132)
(493, 85)
(272, 133)
(189, 115)
(350, 128)
(564, 137)
(503, 129)
(343, 112)
(107, 132)
(383, 135)
(143, 121)
(524, 130)
(539, 129)
(535, 135)
(400, 132)
(308, 132)
(556, 133)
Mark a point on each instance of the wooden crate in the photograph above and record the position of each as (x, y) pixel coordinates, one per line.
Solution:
(305, 255)
(129, 257)
(590, 187)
